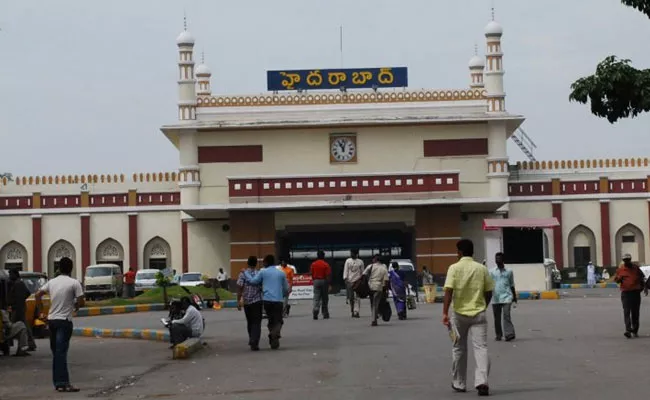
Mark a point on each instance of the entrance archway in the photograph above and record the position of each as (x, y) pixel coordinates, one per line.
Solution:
(13, 255)
(629, 239)
(582, 247)
(58, 250)
(110, 251)
(157, 254)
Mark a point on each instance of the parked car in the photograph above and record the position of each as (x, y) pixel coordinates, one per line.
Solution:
(103, 280)
(191, 279)
(145, 279)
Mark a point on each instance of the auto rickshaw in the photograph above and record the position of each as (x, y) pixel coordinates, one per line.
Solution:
(36, 317)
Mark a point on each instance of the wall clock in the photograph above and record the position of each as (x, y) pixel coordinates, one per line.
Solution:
(343, 148)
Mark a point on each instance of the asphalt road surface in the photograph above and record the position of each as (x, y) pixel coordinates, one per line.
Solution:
(569, 348)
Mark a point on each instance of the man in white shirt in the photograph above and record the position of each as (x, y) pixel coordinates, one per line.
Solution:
(352, 271)
(222, 277)
(66, 296)
(191, 325)
(377, 273)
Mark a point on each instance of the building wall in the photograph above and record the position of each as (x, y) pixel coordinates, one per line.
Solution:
(62, 227)
(166, 225)
(209, 248)
(109, 226)
(18, 229)
(635, 212)
(306, 152)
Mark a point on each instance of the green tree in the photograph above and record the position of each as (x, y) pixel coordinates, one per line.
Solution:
(164, 282)
(617, 90)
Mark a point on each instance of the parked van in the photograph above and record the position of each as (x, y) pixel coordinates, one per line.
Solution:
(145, 279)
(103, 280)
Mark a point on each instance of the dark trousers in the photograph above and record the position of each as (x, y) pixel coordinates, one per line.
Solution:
(254, 322)
(506, 325)
(321, 297)
(178, 333)
(631, 308)
(129, 290)
(60, 334)
(274, 311)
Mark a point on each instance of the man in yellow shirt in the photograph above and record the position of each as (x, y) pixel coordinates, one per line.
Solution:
(469, 286)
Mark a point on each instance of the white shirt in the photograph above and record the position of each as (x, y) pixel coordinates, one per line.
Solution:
(193, 320)
(352, 270)
(63, 291)
(222, 276)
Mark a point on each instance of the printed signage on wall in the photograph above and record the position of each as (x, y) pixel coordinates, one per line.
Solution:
(314, 79)
(303, 287)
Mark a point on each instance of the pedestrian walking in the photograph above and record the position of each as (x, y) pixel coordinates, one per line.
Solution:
(321, 275)
(18, 295)
(632, 282)
(222, 277)
(249, 297)
(352, 271)
(377, 274)
(66, 296)
(274, 288)
(504, 295)
(289, 272)
(470, 287)
(398, 289)
(129, 283)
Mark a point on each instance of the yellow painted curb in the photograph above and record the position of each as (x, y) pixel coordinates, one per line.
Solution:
(550, 295)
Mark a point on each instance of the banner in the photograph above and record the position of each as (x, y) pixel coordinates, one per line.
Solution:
(318, 79)
(303, 287)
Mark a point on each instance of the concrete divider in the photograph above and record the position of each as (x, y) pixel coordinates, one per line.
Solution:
(133, 308)
(187, 348)
(525, 295)
(143, 334)
(604, 285)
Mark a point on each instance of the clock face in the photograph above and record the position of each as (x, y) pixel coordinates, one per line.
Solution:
(343, 149)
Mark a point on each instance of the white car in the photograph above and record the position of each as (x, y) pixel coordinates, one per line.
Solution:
(145, 279)
(191, 279)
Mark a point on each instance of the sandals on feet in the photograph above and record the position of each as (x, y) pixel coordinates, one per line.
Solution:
(67, 389)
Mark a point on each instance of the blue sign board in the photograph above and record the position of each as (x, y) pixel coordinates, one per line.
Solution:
(359, 78)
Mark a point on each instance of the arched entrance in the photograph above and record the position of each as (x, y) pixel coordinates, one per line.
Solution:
(58, 250)
(629, 239)
(582, 247)
(110, 251)
(157, 254)
(13, 255)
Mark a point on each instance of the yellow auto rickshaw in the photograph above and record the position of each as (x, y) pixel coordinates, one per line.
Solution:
(36, 317)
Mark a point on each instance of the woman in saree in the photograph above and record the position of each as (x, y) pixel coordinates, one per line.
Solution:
(398, 288)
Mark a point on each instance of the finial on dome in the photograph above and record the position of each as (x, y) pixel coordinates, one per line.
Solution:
(202, 57)
(185, 21)
(185, 38)
(475, 49)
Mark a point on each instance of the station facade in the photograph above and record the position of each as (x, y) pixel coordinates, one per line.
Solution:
(404, 173)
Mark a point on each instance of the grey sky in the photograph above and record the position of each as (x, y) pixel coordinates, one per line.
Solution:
(85, 85)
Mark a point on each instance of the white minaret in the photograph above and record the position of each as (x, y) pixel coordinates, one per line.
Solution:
(476, 67)
(203, 75)
(186, 83)
(494, 68)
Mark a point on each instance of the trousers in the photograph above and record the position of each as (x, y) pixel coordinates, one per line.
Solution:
(475, 326)
(353, 299)
(254, 322)
(631, 309)
(274, 311)
(60, 334)
(178, 333)
(321, 297)
(508, 328)
(18, 315)
(375, 300)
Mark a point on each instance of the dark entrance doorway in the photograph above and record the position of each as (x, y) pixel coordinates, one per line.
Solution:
(300, 244)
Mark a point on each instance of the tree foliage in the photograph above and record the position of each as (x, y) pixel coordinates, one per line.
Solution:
(617, 90)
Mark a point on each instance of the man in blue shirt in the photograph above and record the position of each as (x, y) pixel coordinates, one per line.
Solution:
(504, 295)
(274, 288)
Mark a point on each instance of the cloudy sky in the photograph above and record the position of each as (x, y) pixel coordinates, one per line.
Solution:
(85, 85)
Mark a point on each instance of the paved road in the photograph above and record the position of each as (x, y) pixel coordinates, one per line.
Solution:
(568, 348)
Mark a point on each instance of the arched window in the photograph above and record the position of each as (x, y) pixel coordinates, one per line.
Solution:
(13, 255)
(58, 250)
(110, 251)
(629, 239)
(157, 254)
(582, 246)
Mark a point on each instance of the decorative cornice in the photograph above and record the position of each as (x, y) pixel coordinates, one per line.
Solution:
(321, 98)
